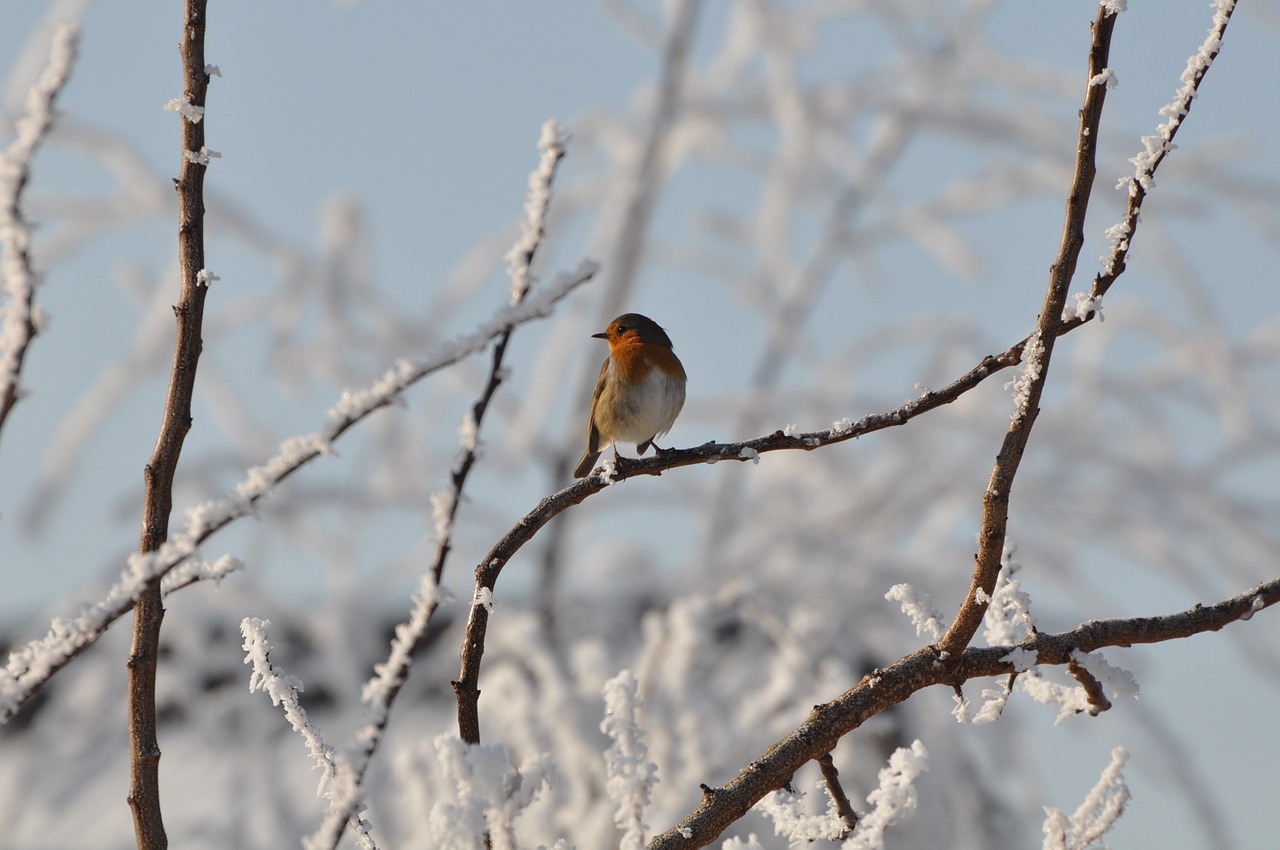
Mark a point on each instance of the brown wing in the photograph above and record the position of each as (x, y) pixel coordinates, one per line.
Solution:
(593, 433)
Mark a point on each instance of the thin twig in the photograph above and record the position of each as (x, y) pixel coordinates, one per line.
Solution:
(1093, 690)
(144, 787)
(832, 777)
(889, 686)
(1157, 147)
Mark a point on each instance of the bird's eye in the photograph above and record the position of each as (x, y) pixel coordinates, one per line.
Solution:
(623, 329)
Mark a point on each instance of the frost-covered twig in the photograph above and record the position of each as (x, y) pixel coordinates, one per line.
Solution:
(482, 793)
(390, 676)
(19, 319)
(895, 795)
(1157, 147)
(631, 776)
(284, 691)
(1097, 814)
(919, 609)
(29, 667)
(895, 683)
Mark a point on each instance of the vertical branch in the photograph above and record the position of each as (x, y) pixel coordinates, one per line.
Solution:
(144, 789)
(1038, 350)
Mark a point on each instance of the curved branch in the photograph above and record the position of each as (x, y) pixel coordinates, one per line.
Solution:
(881, 689)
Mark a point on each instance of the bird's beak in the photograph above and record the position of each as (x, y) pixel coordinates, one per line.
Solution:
(601, 335)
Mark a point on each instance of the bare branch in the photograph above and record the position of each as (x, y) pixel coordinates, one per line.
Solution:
(831, 777)
(1039, 351)
(1098, 701)
(148, 612)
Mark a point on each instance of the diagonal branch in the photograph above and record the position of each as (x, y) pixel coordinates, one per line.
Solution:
(1157, 147)
(889, 686)
(1035, 368)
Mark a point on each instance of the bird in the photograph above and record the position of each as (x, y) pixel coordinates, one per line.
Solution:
(639, 392)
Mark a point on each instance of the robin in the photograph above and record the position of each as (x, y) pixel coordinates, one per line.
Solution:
(639, 392)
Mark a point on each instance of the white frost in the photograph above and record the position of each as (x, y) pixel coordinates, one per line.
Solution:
(631, 775)
(895, 797)
(1022, 386)
(918, 607)
(184, 107)
(1099, 812)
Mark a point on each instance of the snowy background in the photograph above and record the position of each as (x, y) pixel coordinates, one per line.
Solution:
(847, 202)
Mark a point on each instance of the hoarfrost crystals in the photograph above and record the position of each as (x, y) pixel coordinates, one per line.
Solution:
(919, 609)
(202, 156)
(1097, 814)
(895, 797)
(797, 826)
(284, 691)
(1085, 304)
(1024, 383)
(482, 794)
(1119, 681)
(184, 107)
(1106, 77)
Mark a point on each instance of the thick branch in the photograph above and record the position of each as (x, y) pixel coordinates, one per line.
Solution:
(894, 684)
(144, 788)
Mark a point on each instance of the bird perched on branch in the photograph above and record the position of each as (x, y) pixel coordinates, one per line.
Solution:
(639, 392)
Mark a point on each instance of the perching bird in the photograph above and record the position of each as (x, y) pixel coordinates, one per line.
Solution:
(639, 392)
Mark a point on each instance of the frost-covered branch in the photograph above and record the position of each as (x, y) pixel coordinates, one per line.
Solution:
(380, 692)
(19, 319)
(284, 691)
(1157, 147)
(891, 685)
(1095, 816)
(29, 667)
(631, 776)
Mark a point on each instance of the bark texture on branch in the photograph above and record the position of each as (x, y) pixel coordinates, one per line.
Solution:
(144, 747)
